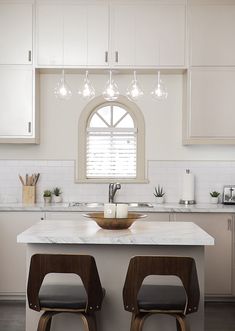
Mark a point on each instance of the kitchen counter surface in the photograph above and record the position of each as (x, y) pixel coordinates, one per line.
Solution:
(163, 208)
(140, 233)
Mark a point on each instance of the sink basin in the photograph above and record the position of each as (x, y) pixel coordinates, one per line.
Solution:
(86, 204)
(101, 204)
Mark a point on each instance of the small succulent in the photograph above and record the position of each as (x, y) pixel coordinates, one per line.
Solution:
(214, 194)
(47, 193)
(57, 191)
(159, 191)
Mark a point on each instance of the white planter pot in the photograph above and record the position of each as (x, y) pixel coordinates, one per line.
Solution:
(215, 200)
(159, 200)
(47, 199)
(57, 198)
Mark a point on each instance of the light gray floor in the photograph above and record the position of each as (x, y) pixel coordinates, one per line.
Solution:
(219, 316)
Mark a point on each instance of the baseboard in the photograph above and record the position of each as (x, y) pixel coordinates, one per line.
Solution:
(12, 297)
(220, 299)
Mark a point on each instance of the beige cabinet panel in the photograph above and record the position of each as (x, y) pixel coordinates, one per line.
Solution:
(209, 116)
(218, 258)
(148, 34)
(12, 254)
(212, 30)
(16, 33)
(72, 34)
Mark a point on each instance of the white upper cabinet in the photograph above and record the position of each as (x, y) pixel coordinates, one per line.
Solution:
(212, 34)
(72, 34)
(17, 117)
(147, 34)
(15, 33)
(210, 114)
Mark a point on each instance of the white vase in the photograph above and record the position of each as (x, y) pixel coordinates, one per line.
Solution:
(57, 198)
(159, 200)
(214, 200)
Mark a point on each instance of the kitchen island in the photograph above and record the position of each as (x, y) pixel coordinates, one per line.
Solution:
(112, 251)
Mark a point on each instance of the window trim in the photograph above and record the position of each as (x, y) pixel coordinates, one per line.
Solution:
(138, 118)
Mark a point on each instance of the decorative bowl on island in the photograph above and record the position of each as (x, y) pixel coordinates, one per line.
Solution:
(114, 223)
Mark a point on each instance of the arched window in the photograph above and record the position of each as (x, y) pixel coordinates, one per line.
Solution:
(111, 142)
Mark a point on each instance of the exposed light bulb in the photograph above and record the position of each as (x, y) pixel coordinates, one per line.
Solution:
(134, 91)
(62, 89)
(111, 92)
(159, 91)
(87, 91)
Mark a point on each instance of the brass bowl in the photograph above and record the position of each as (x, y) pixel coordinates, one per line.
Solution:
(114, 223)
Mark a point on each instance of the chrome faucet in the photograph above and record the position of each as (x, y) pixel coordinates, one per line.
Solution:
(113, 187)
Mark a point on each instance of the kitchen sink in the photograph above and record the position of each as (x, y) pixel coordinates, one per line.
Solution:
(101, 204)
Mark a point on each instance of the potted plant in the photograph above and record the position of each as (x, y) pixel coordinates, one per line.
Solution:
(57, 194)
(159, 194)
(214, 196)
(47, 194)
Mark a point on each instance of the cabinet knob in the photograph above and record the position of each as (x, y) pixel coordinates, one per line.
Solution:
(29, 127)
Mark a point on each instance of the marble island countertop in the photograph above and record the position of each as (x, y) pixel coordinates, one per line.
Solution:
(140, 233)
(157, 208)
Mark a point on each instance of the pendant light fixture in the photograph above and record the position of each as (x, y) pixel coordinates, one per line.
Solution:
(134, 91)
(62, 89)
(87, 91)
(111, 92)
(159, 91)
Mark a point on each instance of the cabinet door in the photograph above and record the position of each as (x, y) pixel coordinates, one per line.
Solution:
(148, 35)
(16, 107)
(134, 35)
(49, 34)
(209, 117)
(172, 33)
(218, 258)
(15, 33)
(12, 254)
(212, 34)
(75, 35)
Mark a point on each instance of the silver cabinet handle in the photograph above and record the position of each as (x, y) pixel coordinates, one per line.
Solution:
(29, 127)
(106, 57)
(30, 56)
(116, 56)
(229, 224)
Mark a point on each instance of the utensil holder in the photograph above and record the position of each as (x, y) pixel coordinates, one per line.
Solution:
(29, 194)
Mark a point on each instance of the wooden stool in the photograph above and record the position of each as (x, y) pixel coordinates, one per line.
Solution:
(61, 298)
(145, 300)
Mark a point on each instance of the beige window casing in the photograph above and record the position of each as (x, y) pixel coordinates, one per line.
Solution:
(138, 118)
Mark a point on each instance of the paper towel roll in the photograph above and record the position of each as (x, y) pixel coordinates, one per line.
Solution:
(188, 186)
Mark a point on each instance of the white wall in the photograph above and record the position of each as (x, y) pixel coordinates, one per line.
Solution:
(59, 120)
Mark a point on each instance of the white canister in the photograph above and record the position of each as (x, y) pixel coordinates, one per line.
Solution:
(109, 210)
(121, 210)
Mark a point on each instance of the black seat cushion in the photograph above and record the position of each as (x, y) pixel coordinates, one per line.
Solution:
(63, 296)
(162, 297)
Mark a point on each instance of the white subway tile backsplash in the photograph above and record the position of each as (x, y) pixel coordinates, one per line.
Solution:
(209, 175)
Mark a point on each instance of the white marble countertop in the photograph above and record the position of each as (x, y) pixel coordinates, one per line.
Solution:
(157, 208)
(140, 233)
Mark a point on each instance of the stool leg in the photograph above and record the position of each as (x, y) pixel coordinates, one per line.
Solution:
(89, 321)
(180, 323)
(137, 321)
(44, 323)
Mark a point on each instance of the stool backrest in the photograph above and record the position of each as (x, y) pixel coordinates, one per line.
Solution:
(142, 266)
(82, 265)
